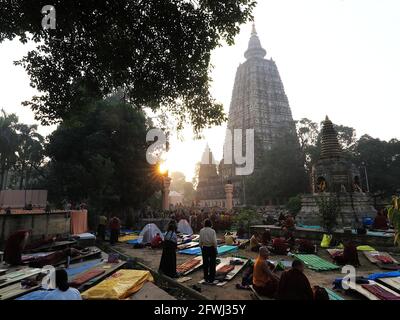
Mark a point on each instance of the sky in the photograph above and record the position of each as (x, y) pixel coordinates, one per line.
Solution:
(339, 58)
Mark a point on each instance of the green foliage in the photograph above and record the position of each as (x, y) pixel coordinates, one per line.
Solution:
(8, 144)
(281, 176)
(381, 158)
(394, 218)
(294, 205)
(382, 162)
(100, 157)
(21, 152)
(329, 210)
(158, 52)
(247, 217)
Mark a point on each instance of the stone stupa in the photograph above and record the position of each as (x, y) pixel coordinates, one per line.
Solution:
(335, 176)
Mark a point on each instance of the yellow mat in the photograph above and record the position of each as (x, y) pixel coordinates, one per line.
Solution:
(127, 238)
(120, 285)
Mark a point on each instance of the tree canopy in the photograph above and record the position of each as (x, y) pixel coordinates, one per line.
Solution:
(100, 158)
(157, 52)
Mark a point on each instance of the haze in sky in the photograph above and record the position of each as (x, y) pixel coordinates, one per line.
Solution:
(335, 57)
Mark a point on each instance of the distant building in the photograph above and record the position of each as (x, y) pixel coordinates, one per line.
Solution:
(258, 102)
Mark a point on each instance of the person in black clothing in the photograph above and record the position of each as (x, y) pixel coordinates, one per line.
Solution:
(168, 257)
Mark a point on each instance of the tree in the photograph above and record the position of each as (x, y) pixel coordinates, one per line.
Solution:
(30, 153)
(100, 158)
(382, 162)
(8, 144)
(178, 181)
(329, 210)
(157, 52)
(294, 205)
(281, 176)
(189, 193)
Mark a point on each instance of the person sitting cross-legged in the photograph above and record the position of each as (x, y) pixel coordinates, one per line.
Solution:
(294, 285)
(265, 282)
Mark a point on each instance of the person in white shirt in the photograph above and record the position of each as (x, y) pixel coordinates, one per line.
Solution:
(209, 247)
(63, 291)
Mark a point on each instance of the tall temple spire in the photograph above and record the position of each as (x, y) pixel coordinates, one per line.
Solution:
(330, 147)
(253, 30)
(255, 49)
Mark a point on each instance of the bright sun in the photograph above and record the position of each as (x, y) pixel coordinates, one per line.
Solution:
(162, 168)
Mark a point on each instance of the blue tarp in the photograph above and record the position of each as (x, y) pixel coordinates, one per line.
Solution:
(35, 295)
(135, 241)
(380, 275)
(72, 271)
(309, 227)
(196, 251)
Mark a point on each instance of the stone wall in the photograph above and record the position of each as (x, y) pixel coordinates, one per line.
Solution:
(351, 204)
(39, 223)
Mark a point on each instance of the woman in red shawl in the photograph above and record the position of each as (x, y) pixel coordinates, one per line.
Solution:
(14, 246)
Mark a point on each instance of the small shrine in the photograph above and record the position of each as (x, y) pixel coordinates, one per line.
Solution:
(334, 175)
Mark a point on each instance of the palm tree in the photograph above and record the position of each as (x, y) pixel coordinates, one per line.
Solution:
(30, 152)
(8, 144)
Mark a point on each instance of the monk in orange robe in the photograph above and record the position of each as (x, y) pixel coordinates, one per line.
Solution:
(265, 282)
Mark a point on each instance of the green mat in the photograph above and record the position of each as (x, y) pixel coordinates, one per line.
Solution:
(316, 263)
(333, 295)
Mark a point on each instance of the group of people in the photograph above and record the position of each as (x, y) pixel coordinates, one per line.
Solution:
(114, 225)
(291, 285)
(207, 243)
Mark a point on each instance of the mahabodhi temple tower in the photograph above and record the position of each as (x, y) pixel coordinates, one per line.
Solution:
(258, 102)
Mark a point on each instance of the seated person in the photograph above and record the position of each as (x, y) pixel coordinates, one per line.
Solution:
(255, 243)
(320, 293)
(241, 232)
(380, 221)
(294, 285)
(229, 239)
(281, 218)
(265, 282)
(266, 237)
(305, 246)
(156, 242)
(63, 290)
(280, 246)
(289, 222)
(348, 256)
(15, 244)
(247, 278)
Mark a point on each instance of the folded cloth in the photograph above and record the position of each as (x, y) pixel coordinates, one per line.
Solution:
(225, 269)
(187, 265)
(384, 259)
(85, 277)
(379, 292)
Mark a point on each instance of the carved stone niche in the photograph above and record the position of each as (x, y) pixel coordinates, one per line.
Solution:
(335, 175)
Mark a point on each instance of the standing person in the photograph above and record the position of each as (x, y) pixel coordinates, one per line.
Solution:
(115, 226)
(63, 290)
(15, 244)
(209, 247)
(294, 285)
(101, 228)
(168, 258)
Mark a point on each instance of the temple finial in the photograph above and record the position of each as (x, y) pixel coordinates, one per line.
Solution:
(326, 118)
(253, 30)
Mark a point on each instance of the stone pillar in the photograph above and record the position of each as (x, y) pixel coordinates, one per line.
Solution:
(165, 192)
(229, 196)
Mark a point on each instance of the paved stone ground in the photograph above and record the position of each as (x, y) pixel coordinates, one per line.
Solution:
(151, 258)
